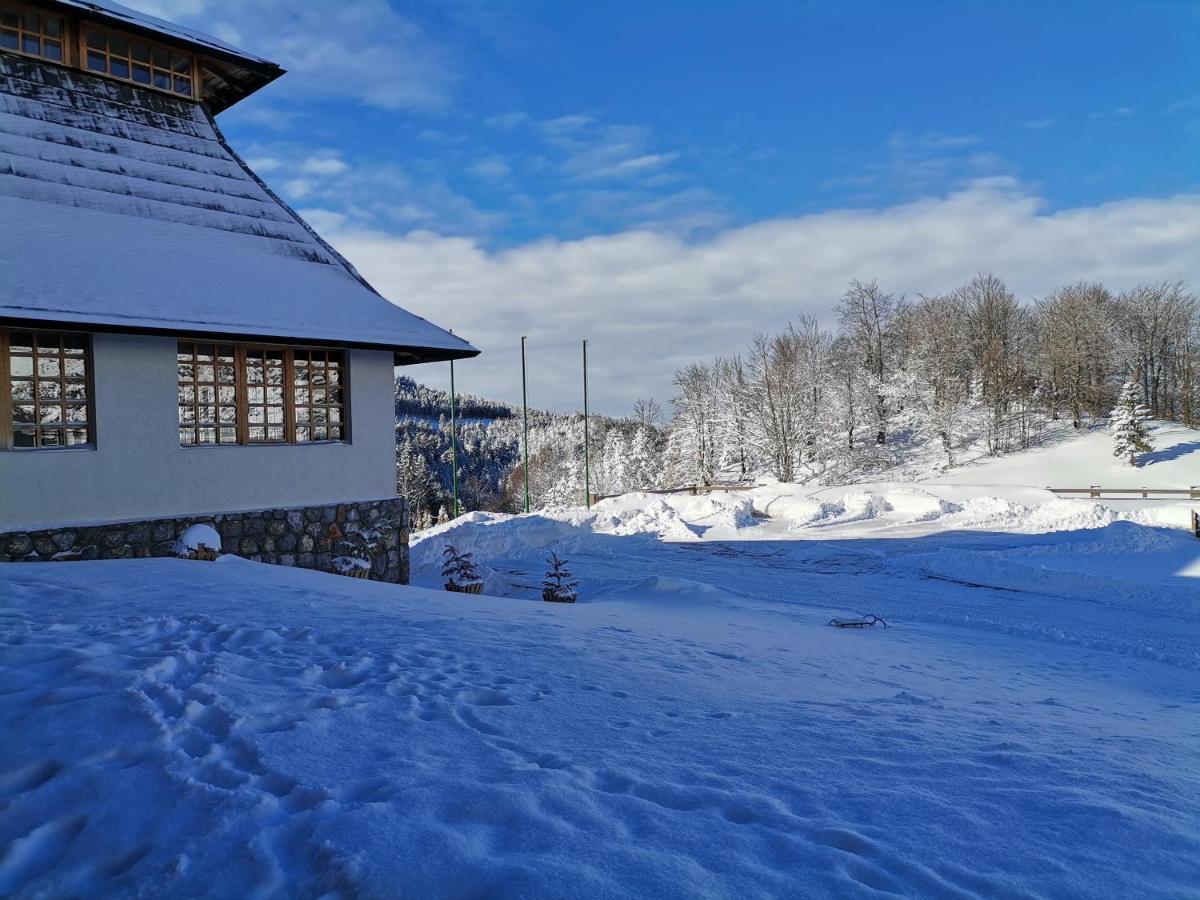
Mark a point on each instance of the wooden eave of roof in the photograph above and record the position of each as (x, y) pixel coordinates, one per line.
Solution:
(226, 77)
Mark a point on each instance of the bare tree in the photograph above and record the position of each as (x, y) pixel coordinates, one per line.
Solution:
(1075, 344)
(647, 412)
(867, 315)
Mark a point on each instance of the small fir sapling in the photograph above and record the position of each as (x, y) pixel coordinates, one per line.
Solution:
(559, 585)
(1128, 424)
(356, 551)
(460, 571)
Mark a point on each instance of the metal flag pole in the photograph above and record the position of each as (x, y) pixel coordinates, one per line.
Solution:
(587, 458)
(525, 417)
(453, 443)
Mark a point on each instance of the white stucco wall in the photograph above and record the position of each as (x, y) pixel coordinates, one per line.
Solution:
(138, 470)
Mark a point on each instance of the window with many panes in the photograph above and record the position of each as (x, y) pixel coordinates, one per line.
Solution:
(248, 394)
(45, 380)
(136, 60)
(32, 32)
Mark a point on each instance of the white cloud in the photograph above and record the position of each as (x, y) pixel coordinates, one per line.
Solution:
(1039, 123)
(650, 301)
(363, 50)
(491, 169)
(323, 165)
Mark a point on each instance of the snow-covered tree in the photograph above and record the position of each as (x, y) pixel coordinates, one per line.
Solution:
(1128, 424)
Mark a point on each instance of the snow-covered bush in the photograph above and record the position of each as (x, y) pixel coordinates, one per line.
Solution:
(198, 542)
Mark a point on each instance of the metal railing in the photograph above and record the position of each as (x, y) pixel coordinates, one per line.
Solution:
(1095, 492)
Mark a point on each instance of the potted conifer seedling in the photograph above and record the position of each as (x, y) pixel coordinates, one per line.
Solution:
(559, 585)
(460, 572)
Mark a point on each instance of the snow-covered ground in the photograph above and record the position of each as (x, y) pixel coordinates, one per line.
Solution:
(1028, 726)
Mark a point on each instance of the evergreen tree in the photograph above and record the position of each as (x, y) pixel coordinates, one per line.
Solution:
(559, 585)
(1128, 424)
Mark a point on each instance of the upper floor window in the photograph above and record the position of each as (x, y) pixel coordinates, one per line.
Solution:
(136, 60)
(243, 394)
(31, 32)
(44, 376)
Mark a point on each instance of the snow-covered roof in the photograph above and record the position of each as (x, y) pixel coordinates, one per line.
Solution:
(124, 208)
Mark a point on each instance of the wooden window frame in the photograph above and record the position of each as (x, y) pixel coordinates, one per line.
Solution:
(7, 425)
(65, 39)
(242, 386)
(81, 48)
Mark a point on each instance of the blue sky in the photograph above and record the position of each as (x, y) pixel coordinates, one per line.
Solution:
(669, 177)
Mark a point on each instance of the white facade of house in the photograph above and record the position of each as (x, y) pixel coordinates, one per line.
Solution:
(126, 216)
(137, 469)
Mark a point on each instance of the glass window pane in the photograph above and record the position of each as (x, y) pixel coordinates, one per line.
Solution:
(303, 397)
(256, 415)
(141, 74)
(275, 433)
(52, 26)
(76, 391)
(335, 432)
(20, 342)
(95, 40)
(76, 415)
(22, 366)
(47, 366)
(76, 436)
(22, 390)
(254, 375)
(120, 68)
(52, 437)
(187, 436)
(140, 51)
(206, 395)
(205, 374)
(74, 368)
(49, 390)
(254, 395)
(49, 343)
(31, 43)
(303, 434)
(320, 433)
(187, 415)
(160, 57)
(53, 50)
(74, 344)
(226, 374)
(24, 414)
(183, 86)
(9, 18)
(8, 40)
(97, 61)
(117, 45)
(208, 435)
(275, 395)
(32, 21)
(258, 433)
(301, 413)
(162, 80)
(226, 394)
(228, 415)
(50, 415)
(275, 415)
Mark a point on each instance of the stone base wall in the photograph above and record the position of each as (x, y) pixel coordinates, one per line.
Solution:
(307, 537)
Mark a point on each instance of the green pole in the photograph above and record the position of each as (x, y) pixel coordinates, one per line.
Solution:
(587, 458)
(525, 416)
(453, 442)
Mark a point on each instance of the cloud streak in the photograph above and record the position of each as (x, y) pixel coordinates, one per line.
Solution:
(651, 301)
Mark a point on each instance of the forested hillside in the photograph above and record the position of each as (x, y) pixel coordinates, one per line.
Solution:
(917, 383)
